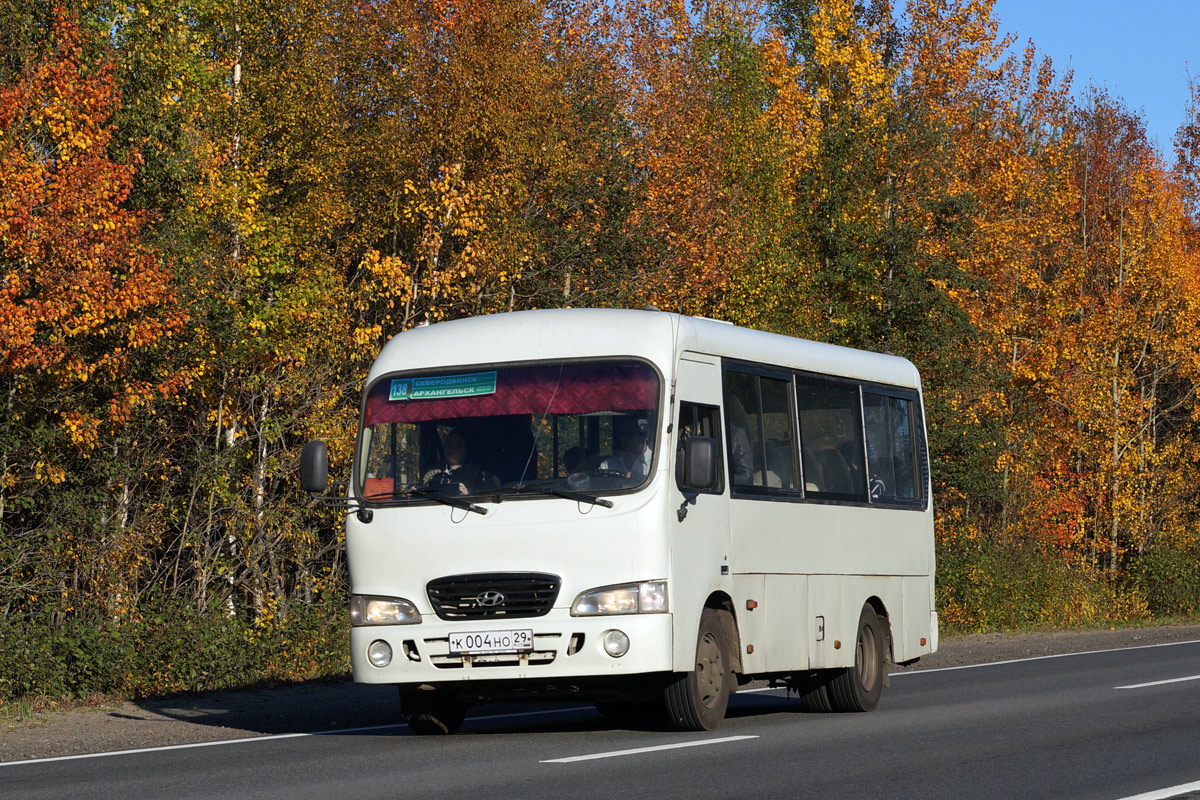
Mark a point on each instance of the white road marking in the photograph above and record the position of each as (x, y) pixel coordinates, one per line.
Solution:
(1040, 658)
(217, 743)
(274, 736)
(1159, 683)
(1164, 794)
(637, 750)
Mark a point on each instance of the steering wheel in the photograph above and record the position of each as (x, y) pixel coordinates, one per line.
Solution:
(599, 472)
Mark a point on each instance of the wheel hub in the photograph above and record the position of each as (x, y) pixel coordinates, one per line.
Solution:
(710, 672)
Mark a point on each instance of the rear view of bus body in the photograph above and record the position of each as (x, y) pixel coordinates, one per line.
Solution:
(638, 508)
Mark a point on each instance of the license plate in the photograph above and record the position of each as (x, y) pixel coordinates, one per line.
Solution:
(491, 641)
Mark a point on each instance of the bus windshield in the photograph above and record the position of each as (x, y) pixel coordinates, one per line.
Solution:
(549, 428)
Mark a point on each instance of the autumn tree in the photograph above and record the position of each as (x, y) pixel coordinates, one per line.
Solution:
(1132, 343)
(1187, 155)
(990, 163)
(85, 306)
(331, 175)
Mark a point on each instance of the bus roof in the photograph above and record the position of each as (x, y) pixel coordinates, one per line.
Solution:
(656, 336)
(730, 341)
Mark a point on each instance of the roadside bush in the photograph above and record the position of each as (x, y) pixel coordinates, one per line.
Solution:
(166, 650)
(1169, 575)
(988, 585)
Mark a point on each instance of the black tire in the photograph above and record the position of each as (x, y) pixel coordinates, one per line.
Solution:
(431, 712)
(858, 688)
(696, 700)
(813, 691)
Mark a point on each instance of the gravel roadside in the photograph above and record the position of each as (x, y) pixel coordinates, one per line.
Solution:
(332, 706)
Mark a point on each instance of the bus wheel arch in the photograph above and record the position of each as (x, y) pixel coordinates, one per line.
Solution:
(889, 650)
(722, 604)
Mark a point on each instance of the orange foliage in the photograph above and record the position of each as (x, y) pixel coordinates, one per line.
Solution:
(81, 294)
(685, 210)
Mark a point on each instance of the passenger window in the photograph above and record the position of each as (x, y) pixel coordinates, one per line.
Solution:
(779, 451)
(891, 451)
(831, 440)
(762, 452)
(698, 420)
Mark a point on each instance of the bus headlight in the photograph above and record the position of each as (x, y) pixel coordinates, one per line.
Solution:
(366, 610)
(647, 597)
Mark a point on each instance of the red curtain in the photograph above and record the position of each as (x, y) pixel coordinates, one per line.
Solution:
(550, 389)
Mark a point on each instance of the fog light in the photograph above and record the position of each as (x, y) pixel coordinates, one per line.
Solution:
(616, 643)
(379, 653)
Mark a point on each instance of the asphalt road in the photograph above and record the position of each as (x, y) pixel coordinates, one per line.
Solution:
(1094, 725)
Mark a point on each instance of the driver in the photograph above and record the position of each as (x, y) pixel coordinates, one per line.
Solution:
(458, 475)
(635, 455)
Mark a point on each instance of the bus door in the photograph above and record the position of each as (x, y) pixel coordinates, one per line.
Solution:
(700, 554)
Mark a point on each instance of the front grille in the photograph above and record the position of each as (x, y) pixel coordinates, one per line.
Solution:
(508, 595)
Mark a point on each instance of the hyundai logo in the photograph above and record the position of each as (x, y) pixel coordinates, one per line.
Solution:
(489, 599)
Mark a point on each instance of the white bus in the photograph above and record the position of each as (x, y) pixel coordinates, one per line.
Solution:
(637, 508)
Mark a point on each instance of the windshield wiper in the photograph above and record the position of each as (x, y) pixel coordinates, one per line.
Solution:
(448, 500)
(566, 494)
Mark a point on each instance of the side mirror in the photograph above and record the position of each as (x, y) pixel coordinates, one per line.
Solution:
(314, 467)
(700, 463)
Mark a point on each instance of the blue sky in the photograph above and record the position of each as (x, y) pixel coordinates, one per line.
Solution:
(1140, 50)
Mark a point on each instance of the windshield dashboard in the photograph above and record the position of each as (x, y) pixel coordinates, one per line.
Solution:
(569, 429)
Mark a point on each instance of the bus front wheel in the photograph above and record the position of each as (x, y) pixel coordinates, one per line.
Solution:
(858, 688)
(430, 712)
(696, 700)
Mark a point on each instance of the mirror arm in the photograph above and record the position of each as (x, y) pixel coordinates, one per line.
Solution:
(689, 499)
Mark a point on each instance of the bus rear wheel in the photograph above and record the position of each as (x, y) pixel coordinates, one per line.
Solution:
(858, 688)
(813, 690)
(696, 700)
(430, 712)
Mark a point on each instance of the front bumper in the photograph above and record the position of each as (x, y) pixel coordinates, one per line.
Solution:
(564, 648)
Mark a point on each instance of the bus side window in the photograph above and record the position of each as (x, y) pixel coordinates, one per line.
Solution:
(698, 420)
(762, 451)
(891, 450)
(831, 439)
(745, 431)
(780, 452)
